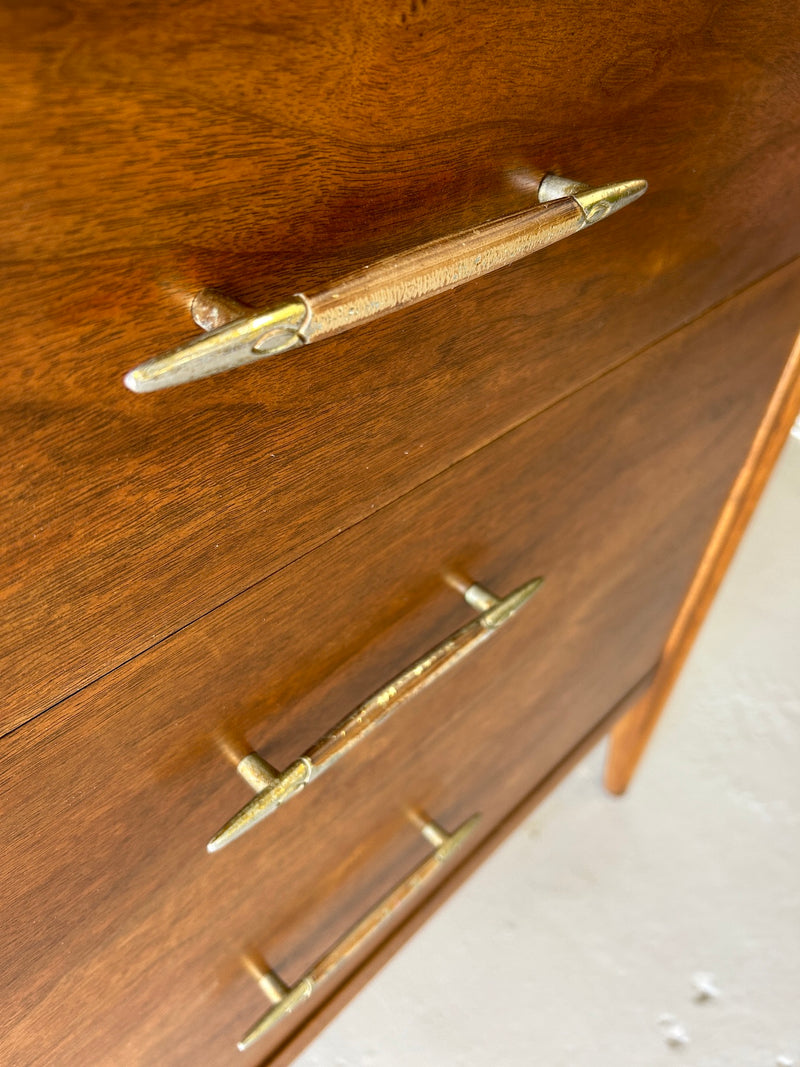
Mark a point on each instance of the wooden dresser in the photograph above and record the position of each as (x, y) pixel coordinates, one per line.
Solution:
(231, 566)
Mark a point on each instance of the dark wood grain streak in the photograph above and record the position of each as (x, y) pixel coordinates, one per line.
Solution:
(111, 911)
(151, 150)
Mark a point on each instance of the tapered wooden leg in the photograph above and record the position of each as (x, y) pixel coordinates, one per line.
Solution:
(627, 742)
(631, 733)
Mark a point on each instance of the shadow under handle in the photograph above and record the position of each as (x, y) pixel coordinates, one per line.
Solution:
(285, 998)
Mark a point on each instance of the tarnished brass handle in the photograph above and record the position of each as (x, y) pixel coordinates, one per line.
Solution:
(241, 335)
(274, 788)
(285, 998)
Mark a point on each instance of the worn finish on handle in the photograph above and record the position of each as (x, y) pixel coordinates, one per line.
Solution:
(376, 290)
(275, 788)
(442, 265)
(383, 287)
(439, 266)
(285, 999)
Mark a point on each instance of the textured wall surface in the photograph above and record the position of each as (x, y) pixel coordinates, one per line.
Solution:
(661, 928)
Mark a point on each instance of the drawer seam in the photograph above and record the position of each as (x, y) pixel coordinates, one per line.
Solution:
(561, 398)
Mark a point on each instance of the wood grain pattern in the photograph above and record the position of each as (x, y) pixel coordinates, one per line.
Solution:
(152, 150)
(632, 733)
(111, 910)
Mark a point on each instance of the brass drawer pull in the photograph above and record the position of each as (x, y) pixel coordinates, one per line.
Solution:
(286, 998)
(274, 788)
(239, 335)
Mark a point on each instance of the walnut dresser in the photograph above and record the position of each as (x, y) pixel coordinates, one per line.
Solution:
(208, 578)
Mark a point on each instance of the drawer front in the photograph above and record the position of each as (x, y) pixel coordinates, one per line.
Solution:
(112, 912)
(151, 152)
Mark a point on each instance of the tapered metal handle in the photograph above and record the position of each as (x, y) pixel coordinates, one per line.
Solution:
(274, 788)
(285, 999)
(239, 335)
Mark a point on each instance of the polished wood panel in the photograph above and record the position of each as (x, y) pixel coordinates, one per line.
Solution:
(632, 733)
(155, 149)
(111, 910)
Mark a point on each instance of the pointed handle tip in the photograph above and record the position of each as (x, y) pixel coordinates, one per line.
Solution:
(603, 201)
(133, 382)
(142, 379)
